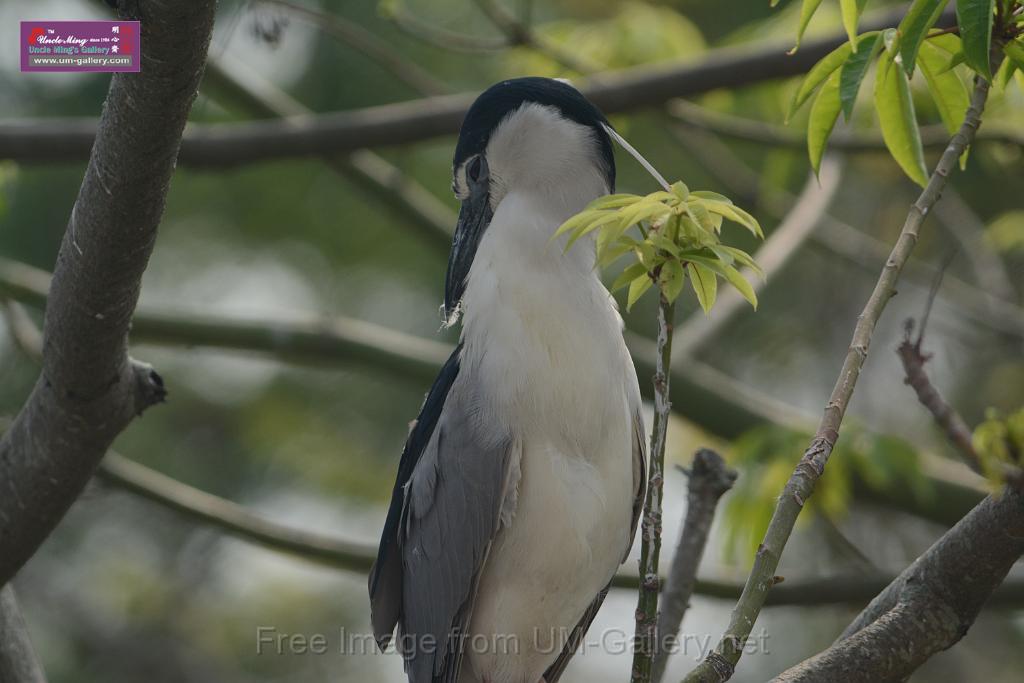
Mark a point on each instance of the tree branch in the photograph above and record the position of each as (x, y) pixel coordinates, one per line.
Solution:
(221, 145)
(719, 665)
(89, 389)
(931, 605)
(377, 49)
(18, 662)
(948, 419)
(395, 191)
(710, 479)
(650, 524)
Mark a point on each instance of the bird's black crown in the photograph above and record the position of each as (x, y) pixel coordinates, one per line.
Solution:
(503, 98)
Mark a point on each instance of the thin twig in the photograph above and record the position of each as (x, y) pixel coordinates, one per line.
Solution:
(395, 191)
(377, 49)
(720, 664)
(946, 417)
(437, 36)
(520, 33)
(709, 479)
(650, 527)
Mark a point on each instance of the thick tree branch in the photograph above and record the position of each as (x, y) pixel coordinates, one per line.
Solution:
(18, 662)
(89, 389)
(222, 145)
(931, 605)
(710, 479)
(719, 665)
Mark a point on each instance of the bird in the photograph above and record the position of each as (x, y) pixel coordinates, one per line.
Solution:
(521, 482)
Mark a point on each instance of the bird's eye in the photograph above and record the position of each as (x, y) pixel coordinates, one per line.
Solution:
(473, 169)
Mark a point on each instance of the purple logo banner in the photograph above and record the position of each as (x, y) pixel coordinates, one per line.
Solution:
(80, 46)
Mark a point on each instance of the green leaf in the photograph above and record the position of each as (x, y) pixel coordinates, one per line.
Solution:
(807, 10)
(628, 275)
(824, 113)
(706, 194)
(680, 190)
(704, 284)
(614, 201)
(948, 91)
(897, 120)
(851, 10)
(1014, 51)
(663, 243)
(637, 288)
(673, 277)
(740, 283)
(919, 19)
(735, 214)
(741, 257)
(974, 17)
(818, 74)
(852, 72)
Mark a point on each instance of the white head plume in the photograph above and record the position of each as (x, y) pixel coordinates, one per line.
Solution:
(638, 156)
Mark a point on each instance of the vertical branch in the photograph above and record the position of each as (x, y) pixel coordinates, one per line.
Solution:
(18, 663)
(650, 548)
(720, 664)
(710, 478)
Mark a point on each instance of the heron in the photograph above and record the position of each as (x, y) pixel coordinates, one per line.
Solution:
(521, 482)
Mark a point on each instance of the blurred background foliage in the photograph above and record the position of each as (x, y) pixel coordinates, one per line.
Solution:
(126, 591)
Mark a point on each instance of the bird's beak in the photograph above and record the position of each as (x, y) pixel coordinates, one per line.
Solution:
(474, 217)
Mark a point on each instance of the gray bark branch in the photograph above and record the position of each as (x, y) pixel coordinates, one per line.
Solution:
(709, 480)
(931, 605)
(89, 388)
(18, 662)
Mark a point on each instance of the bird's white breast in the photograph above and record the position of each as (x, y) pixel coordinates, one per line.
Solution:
(542, 335)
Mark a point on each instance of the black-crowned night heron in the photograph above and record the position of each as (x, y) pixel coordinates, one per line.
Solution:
(521, 483)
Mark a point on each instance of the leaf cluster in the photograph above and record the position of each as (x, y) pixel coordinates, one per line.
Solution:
(999, 443)
(835, 81)
(679, 240)
(764, 456)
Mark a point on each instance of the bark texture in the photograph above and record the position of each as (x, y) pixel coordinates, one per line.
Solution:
(89, 389)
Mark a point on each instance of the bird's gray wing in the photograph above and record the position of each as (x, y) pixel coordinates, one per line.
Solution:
(639, 470)
(385, 580)
(554, 672)
(453, 506)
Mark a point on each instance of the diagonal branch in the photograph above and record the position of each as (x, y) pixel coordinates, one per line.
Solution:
(18, 662)
(932, 603)
(720, 664)
(89, 389)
